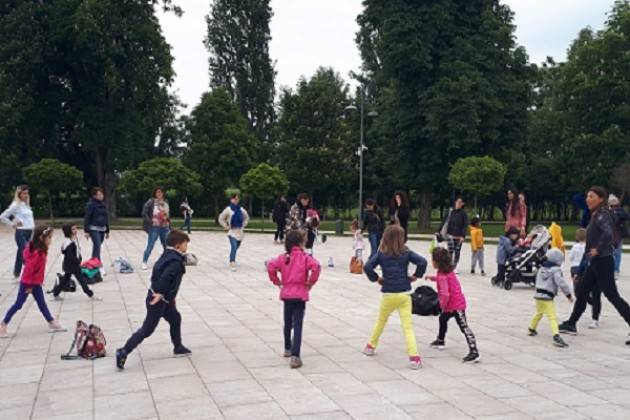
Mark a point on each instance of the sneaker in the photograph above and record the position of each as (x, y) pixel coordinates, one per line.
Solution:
(121, 358)
(627, 341)
(233, 266)
(96, 298)
(3, 331)
(415, 362)
(54, 326)
(369, 350)
(472, 357)
(287, 353)
(483, 273)
(531, 332)
(181, 351)
(594, 324)
(145, 267)
(58, 298)
(472, 271)
(103, 271)
(295, 363)
(438, 344)
(559, 342)
(567, 328)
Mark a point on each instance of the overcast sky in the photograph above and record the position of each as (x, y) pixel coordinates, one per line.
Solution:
(311, 33)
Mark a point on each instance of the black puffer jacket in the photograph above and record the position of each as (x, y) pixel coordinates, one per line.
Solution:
(600, 232)
(373, 221)
(457, 223)
(167, 274)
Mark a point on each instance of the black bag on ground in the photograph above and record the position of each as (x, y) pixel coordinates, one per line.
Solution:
(425, 301)
(96, 279)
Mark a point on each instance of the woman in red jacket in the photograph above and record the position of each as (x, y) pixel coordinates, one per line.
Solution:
(32, 279)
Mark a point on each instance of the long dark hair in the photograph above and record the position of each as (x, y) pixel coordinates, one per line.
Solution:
(442, 260)
(39, 239)
(514, 204)
(404, 201)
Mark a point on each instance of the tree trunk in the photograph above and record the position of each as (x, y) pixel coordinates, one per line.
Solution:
(50, 208)
(262, 214)
(424, 209)
(106, 179)
(476, 208)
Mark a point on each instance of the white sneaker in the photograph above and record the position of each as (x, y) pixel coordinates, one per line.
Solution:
(54, 326)
(3, 331)
(594, 324)
(103, 272)
(233, 266)
(145, 267)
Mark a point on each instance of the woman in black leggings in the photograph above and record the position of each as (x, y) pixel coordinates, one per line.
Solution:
(600, 273)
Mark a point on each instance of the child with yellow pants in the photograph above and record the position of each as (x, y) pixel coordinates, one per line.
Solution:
(394, 259)
(548, 280)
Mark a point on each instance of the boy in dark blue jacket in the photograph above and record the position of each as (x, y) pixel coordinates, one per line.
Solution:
(165, 281)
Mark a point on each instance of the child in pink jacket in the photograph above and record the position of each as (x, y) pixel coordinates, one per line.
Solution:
(452, 303)
(298, 273)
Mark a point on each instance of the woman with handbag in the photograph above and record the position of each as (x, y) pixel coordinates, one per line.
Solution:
(156, 222)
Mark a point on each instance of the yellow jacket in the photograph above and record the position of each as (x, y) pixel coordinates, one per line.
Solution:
(555, 230)
(476, 238)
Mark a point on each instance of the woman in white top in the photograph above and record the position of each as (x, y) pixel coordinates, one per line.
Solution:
(19, 215)
(234, 219)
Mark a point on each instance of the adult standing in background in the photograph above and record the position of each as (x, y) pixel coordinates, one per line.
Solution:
(399, 211)
(279, 217)
(374, 223)
(454, 227)
(515, 213)
(600, 272)
(523, 201)
(621, 230)
(187, 212)
(297, 219)
(19, 215)
(234, 219)
(156, 222)
(96, 221)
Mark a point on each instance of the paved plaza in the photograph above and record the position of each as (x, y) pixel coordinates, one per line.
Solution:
(232, 323)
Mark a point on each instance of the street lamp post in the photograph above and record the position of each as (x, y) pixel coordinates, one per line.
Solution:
(362, 147)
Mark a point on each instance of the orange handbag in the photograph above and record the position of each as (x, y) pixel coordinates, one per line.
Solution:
(356, 265)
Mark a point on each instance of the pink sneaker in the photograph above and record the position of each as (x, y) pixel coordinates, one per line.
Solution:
(369, 350)
(3, 331)
(54, 326)
(415, 362)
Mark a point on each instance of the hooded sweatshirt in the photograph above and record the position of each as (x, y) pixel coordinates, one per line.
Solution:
(34, 266)
(549, 278)
(167, 274)
(299, 272)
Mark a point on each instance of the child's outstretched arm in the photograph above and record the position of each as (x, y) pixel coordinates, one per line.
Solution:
(369, 267)
(273, 268)
(314, 269)
(420, 263)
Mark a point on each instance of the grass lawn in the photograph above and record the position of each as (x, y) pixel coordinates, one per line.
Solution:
(490, 229)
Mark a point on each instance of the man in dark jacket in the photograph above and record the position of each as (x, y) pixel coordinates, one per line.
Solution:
(454, 227)
(279, 216)
(165, 281)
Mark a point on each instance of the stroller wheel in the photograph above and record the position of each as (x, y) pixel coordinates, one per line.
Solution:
(507, 284)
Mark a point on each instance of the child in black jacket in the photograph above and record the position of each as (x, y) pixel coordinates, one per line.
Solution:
(71, 266)
(160, 302)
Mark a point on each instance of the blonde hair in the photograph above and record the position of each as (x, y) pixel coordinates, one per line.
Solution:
(393, 242)
(580, 235)
(19, 190)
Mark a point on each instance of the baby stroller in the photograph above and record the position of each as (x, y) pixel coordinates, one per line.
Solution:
(524, 263)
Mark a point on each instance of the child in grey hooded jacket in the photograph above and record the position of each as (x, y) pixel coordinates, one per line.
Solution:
(548, 280)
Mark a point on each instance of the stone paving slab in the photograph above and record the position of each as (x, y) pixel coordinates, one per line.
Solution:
(232, 322)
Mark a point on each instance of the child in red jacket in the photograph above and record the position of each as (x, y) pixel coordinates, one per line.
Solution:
(452, 303)
(32, 279)
(299, 272)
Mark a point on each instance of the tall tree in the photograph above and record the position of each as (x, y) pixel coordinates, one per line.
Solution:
(220, 144)
(314, 143)
(86, 81)
(238, 42)
(451, 81)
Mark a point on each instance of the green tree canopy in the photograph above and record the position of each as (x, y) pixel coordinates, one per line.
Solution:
(264, 182)
(53, 178)
(220, 144)
(477, 175)
(238, 41)
(168, 173)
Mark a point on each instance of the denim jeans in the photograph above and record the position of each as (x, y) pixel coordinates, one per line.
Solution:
(22, 236)
(617, 255)
(235, 244)
(187, 223)
(375, 241)
(155, 232)
(97, 241)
